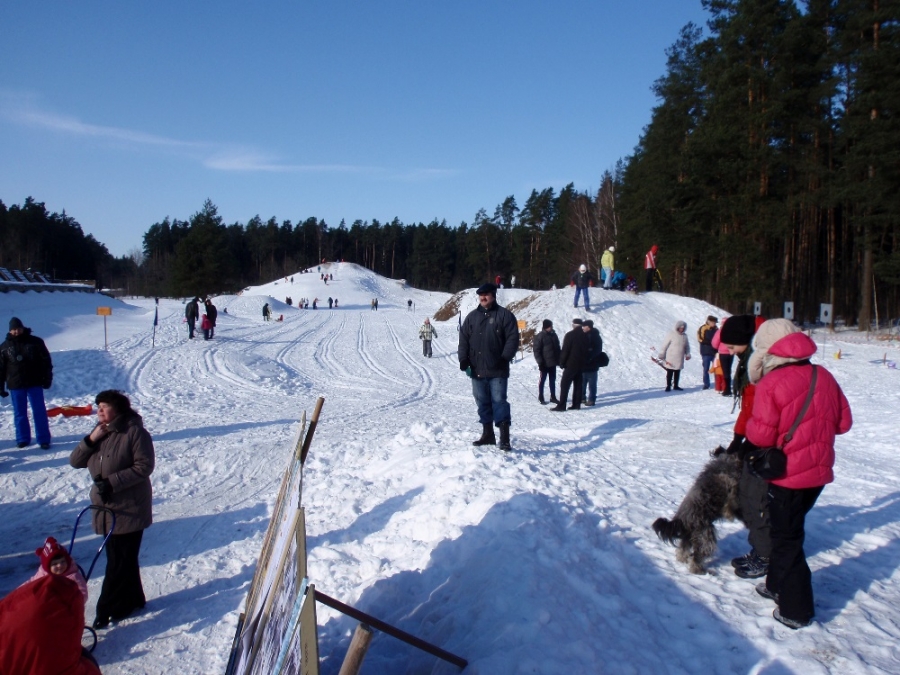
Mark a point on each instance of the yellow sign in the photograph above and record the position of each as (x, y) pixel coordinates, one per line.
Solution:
(522, 325)
(104, 311)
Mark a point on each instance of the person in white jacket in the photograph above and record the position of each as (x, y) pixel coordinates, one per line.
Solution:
(675, 350)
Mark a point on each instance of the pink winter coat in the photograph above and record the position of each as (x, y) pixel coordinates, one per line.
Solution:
(780, 395)
(717, 342)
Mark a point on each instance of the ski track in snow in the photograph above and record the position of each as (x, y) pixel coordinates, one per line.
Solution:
(541, 560)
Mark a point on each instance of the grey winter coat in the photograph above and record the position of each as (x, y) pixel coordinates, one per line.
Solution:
(126, 458)
(488, 341)
(546, 349)
(673, 350)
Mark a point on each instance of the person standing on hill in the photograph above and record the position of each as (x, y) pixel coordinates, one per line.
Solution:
(488, 341)
(582, 280)
(546, 352)
(705, 335)
(608, 263)
(572, 358)
(589, 376)
(212, 313)
(191, 314)
(426, 333)
(25, 371)
(650, 266)
(726, 358)
(675, 350)
(266, 312)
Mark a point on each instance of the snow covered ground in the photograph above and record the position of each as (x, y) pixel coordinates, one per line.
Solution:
(539, 561)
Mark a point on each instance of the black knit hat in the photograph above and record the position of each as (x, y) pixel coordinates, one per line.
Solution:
(16, 322)
(738, 330)
(547, 324)
(486, 289)
(576, 322)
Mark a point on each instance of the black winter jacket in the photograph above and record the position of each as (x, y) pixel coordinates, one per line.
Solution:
(582, 279)
(595, 346)
(546, 349)
(574, 354)
(25, 362)
(489, 340)
(705, 337)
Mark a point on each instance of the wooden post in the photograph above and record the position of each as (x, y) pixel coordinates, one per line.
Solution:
(312, 429)
(359, 645)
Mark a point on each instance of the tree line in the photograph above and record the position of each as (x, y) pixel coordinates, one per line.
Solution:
(768, 172)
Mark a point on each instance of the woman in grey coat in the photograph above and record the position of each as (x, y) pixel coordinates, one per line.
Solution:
(119, 455)
(675, 350)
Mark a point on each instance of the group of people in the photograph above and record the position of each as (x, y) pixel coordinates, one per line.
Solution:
(580, 356)
(207, 317)
(43, 620)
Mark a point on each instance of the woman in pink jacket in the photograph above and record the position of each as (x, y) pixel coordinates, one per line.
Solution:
(781, 366)
(726, 358)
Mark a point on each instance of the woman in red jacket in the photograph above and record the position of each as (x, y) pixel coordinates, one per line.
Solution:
(781, 366)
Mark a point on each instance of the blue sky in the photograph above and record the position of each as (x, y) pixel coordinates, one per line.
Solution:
(123, 113)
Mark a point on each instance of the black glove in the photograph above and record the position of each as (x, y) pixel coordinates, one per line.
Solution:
(747, 449)
(104, 488)
(4, 393)
(735, 444)
(465, 363)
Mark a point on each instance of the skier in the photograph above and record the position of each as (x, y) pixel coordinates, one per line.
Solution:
(426, 333)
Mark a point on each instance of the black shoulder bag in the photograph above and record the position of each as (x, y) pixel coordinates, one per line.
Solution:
(771, 463)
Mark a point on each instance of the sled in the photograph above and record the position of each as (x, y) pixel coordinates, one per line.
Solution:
(92, 638)
(658, 361)
(70, 411)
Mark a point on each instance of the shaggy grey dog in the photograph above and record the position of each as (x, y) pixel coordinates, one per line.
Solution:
(713, 495)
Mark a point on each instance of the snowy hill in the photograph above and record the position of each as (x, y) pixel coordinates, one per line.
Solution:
(539, 561)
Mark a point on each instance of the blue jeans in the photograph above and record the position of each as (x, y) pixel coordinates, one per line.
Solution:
(490, 395)
(589, 385)
(579, 291)
(707, 364)
(607, 282)
(20, 400)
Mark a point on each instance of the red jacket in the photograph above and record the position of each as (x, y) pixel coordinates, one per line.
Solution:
(41, 624)
(650, 258)
(780, 395)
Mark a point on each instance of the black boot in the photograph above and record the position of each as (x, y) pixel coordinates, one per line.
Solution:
(504, 436)
(487, 435)
(541, 399)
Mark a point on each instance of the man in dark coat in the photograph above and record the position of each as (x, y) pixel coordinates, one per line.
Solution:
(589, 376)
(26, 370)
(573, 359)
(192, 313)
(546, 352)
(211, 313)
(488, 342)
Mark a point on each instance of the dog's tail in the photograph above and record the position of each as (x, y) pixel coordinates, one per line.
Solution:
(670, 531)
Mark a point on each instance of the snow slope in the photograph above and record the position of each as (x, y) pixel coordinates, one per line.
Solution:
(539, 561)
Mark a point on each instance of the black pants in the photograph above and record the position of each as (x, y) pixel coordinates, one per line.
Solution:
(789, 575)
(548, 373)
(651, 273)
(726, 361)
(426, 348)
(122, 590)
(672, 375)
(753, 493)
(573, 379)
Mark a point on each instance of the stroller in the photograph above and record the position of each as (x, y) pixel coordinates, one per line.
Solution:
(91, 636)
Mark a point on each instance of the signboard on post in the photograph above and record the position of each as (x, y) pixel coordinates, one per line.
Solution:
(789, 311)
(825, 313)
(104, 312)
(757, 309)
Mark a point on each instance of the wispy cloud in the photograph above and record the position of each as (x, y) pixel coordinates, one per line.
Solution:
(23, 110)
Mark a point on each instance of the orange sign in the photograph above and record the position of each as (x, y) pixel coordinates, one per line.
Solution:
(522, 325)
(104, 311)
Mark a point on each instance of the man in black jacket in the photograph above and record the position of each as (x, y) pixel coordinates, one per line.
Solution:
(488, 342)
(595, 348)
(705, 335)
(546, 352)
(573, 359)
(26, 370)
(192, 313)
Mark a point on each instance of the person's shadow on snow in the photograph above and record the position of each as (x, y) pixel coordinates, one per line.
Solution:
(495, 597)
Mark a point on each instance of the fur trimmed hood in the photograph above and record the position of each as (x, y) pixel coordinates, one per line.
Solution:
(768, 353)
